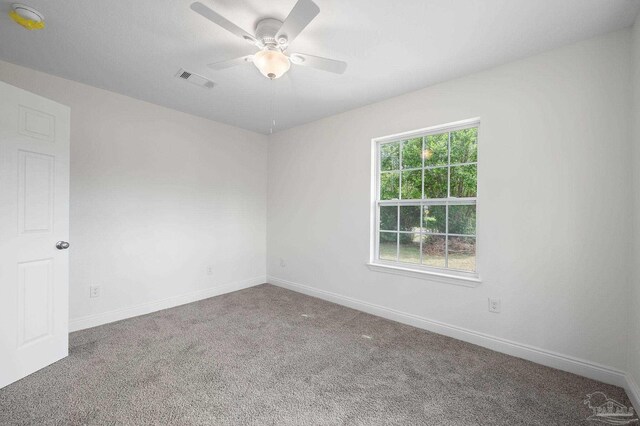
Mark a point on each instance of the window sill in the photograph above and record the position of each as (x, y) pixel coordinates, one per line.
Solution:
(426, 275)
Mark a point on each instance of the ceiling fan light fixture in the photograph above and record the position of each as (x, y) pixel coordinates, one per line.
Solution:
(272, 37)
(271, 63)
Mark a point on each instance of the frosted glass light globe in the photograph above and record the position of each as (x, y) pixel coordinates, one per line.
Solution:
(271, 63)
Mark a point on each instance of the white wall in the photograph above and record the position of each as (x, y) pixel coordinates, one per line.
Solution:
(554, 203)
(157, 196)
(634, 316)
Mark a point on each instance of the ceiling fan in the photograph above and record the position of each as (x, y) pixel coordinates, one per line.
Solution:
(273, 37)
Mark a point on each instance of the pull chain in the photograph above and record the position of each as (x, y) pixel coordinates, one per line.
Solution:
(273, 108)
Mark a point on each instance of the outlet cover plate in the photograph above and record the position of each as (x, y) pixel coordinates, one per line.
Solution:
(94, 291)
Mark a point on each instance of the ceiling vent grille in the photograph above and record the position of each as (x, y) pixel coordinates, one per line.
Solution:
(196, 79)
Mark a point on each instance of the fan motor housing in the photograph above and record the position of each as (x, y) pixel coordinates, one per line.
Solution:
(266, 30)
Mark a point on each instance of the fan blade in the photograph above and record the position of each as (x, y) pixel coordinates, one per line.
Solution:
(300, 16)
(231, 62)
(222, 21)
(318, 62)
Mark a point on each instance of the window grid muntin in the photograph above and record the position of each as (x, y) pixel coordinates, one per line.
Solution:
(422, 198)
(413, 169)
(423, 201)
(446, 239)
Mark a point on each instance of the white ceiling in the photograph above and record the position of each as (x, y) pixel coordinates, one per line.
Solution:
(392, 47)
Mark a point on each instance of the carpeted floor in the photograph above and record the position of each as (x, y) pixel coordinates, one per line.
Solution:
(269, 356)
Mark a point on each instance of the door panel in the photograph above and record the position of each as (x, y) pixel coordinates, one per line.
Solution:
(35, 282)
(35, 192)
(37, 124)
(34, 215)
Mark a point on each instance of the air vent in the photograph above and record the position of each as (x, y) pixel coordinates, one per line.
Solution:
(196, 79)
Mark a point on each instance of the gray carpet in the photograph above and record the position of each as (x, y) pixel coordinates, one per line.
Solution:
(269, 356)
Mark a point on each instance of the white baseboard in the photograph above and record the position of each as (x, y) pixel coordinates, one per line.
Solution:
(633, 392)
(531, 353)
(89, 321)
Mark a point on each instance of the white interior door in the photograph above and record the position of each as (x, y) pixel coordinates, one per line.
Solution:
(34, 216)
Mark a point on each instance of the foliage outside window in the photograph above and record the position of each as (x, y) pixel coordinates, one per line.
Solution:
(426, 200)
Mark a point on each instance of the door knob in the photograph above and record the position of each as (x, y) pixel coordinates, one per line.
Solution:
(62, 245)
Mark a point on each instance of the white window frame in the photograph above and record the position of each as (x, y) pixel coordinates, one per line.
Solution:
(451, 276)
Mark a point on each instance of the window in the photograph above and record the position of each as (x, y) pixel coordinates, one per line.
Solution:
(425, 200)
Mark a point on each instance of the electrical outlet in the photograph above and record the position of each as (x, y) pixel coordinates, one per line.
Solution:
(94, 291)
(282, 263)
(494, 305)
(209, 270)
